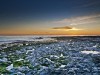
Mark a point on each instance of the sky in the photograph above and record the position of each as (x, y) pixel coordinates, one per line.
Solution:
(50, 17)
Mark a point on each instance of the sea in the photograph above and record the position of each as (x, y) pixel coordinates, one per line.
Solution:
(10, 39)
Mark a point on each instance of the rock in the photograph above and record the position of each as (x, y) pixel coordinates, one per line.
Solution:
(95, 69)
(71, 72)
(61, 58)
(44, 70)
(3, 60)
(86, 70)
(9, 67)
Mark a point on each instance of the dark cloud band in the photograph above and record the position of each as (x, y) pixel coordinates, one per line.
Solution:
(66, 27)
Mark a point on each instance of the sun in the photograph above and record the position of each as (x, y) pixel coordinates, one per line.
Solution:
(76, 29)
(73, 29)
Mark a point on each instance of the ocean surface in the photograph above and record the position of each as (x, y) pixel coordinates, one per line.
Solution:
(10, 39)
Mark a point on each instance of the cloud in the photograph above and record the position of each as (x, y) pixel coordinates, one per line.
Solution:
(67, 28)
(79, 20)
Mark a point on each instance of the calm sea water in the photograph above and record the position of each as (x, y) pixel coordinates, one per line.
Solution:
(9, 39)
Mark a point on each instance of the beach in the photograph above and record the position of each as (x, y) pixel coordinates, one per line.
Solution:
(52, 55)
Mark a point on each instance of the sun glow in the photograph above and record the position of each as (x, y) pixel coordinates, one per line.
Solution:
(75, 29)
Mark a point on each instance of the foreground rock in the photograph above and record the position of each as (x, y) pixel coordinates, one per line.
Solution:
(66, 56)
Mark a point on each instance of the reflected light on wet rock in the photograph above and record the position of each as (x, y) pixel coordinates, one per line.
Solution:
(90, 52)
(47, 47)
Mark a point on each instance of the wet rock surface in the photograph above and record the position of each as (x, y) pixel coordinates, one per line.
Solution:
(66, 56)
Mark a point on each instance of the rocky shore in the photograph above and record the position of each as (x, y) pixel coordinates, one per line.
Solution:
(61, 56)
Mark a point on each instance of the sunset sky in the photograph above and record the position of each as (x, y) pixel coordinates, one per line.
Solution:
(52, 17)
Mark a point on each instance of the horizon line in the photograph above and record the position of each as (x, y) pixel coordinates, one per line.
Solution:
(44, 34)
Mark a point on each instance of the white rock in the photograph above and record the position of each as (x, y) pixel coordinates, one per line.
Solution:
(62, 66)
(29, 51)
(19, 59)
(9, 67)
